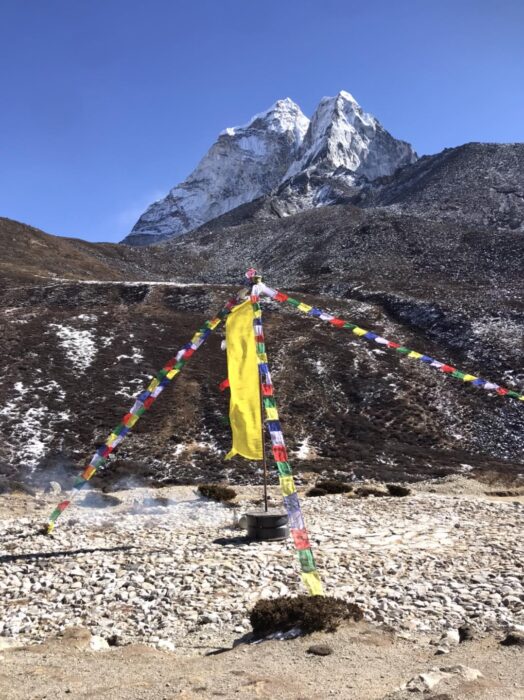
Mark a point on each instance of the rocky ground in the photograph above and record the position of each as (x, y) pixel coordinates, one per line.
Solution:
(165, 568)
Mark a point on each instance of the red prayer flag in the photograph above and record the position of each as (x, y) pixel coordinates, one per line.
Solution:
(279, 453)
(300, 538)
(281, 297)
(224, 385)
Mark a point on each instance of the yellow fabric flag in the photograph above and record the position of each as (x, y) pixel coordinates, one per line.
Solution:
(313, 583)
(242, 368)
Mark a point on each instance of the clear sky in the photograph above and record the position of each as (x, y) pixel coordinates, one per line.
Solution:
(107, 104)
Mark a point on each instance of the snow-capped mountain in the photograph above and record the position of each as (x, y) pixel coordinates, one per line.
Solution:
(278, 149)
(244, 163)
(343, 138)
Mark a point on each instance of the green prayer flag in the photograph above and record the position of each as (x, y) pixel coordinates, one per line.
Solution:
(307, 561)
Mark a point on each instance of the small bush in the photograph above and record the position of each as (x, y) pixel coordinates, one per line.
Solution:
(398, 490)
(315, 492)
(333, 486)
(505, 493)
(365, 491)
(217, 492)
(309, 613)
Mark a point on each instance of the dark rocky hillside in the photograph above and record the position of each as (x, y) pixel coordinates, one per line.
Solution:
(73, 355)
(435, 265)
(480, 184)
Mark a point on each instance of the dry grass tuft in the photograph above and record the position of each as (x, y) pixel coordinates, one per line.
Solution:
(217, 492)
(398, 490)
(309, 613)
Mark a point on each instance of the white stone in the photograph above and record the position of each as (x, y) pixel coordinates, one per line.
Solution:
(97, 643)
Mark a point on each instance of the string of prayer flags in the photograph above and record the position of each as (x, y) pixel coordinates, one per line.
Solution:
(143, 402)
(310, 576)
(465, 377)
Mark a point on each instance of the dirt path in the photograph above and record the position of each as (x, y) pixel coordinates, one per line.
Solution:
(366, 664)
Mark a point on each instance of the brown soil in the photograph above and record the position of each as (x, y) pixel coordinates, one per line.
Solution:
(366, 664)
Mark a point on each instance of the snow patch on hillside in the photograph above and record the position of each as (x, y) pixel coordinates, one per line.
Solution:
(79, 345)
(30, 426)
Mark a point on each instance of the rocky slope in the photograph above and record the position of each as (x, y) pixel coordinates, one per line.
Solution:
(74, 354)
(443, 281)
(341, 146)
(480, 184)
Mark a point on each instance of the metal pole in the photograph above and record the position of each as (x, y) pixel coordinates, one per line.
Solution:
(264, 460)
(254, 279)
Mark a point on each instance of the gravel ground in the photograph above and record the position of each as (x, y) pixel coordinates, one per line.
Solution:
(180, 576)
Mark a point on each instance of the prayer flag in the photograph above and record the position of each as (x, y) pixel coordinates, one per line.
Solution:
(244, 407)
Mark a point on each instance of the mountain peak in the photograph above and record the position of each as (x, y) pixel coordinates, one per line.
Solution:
(283, 115)
(341, 141)
(342, 135)
(342, 97)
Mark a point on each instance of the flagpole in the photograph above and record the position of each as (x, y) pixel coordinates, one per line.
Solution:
(254, 278)
(264, 459)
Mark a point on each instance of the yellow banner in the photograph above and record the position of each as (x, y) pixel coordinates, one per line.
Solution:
(242, 369)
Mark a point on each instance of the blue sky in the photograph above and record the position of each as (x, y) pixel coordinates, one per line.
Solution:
(107, 104)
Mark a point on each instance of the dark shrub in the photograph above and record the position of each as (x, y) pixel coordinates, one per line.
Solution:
(513, 639)
(315, 491)
(217, 492)
(505, 493)
(309, 613)
(398, 490)
(333, 486)
(365, 491)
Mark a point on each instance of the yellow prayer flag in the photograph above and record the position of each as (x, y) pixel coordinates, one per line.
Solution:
(469, 378)
(271, 413)
(414, 355)
(287, 485)
(313, 583)
(359, 331)
(304, 307)
(242, 368)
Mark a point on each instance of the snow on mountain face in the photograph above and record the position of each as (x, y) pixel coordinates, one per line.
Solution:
(278, 148)
(243, 164)
(342, 135)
